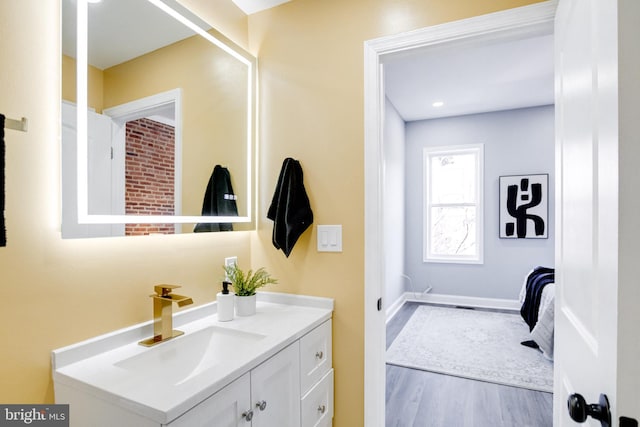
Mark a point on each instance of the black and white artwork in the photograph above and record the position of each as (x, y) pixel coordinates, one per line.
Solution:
(524, 207)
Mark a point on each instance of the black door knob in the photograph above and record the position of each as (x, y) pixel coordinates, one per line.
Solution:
(579, 410)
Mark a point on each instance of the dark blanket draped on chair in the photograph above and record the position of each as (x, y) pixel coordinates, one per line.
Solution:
(290, 210)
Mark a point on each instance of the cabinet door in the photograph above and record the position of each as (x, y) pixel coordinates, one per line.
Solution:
(223, 409)
(275, 390)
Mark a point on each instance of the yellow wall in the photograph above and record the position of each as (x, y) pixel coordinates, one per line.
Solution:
(311, 108)
(95, 82)
(56, 292)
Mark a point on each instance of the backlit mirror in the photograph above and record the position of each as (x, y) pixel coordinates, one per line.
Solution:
(158, 123)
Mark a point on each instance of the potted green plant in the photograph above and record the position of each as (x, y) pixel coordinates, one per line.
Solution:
(245, 286)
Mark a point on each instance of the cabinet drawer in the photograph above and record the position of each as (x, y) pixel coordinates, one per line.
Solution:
(315, 356)
(317, 405)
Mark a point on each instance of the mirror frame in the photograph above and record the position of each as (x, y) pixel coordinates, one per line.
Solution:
(178, 12)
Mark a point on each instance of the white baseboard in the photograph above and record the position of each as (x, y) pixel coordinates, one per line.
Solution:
(464, 301)
(393, 308)
(457, 300)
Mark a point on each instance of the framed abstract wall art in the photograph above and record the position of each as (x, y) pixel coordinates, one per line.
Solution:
(524, 206)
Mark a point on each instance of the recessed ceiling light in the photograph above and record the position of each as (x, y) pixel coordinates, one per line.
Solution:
(438, 104)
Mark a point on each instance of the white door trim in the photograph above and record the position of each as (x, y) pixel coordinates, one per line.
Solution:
(513, 23)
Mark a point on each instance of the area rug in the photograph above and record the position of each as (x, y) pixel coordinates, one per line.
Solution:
(475, 344)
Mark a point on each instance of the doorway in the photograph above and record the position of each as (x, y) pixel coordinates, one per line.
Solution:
(148, 175)
(511, 24)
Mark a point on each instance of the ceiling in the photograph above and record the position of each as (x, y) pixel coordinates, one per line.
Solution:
(500, 75)
(496, 76)
(120, 30)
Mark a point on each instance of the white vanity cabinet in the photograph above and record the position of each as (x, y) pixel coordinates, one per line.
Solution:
(270, 369)
(268, 396)
(291, 389)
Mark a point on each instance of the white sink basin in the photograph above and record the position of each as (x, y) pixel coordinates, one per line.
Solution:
(182, 358)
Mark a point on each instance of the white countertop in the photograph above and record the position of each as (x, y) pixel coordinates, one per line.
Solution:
(92, 366)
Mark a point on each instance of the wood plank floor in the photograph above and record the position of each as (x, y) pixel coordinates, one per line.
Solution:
(425, 399)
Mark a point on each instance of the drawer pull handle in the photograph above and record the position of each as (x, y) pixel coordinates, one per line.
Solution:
(262, 405)
(322, 409)
(248, 415)
(319, 354)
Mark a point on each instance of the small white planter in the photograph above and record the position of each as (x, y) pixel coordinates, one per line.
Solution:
(245, 305)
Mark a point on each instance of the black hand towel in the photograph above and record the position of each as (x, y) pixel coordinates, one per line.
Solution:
(3, 232)
(290, 210)
(219, 200)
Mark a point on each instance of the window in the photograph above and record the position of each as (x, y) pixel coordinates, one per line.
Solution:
(453, 225)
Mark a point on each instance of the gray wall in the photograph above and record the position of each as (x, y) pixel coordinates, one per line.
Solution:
(394, 207)
(516, 142)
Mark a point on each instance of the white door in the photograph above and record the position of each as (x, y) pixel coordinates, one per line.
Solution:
(589, 337)
(99, 159)
(99, 175)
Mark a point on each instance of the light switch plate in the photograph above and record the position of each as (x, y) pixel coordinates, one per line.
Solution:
(329, 238)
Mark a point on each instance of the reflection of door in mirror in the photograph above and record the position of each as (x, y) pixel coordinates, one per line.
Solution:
(100, 176)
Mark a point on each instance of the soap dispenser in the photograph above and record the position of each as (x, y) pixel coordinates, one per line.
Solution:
(225, 303)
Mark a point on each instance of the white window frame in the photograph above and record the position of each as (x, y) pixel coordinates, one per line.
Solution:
(428, 153)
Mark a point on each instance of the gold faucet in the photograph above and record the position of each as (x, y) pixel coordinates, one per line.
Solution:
(163, 301)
